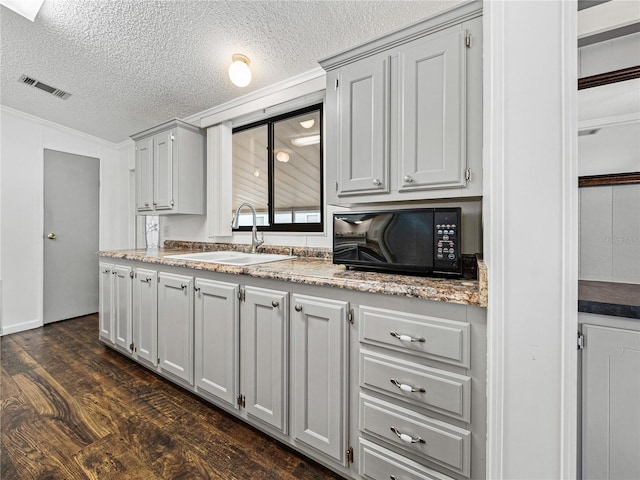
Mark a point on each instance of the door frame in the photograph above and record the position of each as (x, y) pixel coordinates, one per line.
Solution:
(552, 342)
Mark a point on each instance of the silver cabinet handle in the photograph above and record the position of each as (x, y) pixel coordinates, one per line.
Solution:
(155, 203)
(275, 304)
(377, 182)
(406, 437)
(51, 236)
(407, 388)
(146, 280)
(183, 286)
(408, 179)
(146, 204)
(106, 271)
(196, 289)
(392, 477)
(406, 338)
(298, 308)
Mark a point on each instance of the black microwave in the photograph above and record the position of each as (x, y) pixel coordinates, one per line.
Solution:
(423, 241)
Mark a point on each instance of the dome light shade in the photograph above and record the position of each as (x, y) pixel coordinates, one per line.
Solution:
(282, 156)
(239, 71)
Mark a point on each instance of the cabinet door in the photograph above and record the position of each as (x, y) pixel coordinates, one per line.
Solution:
(175, 325)
(145, 315)
(122, 305)
(263, 354)
(163, 153)
(363, 106)
(432, 99)
(610, 399)
(319, 362)
(216, 339)
(105, 302)
(144, 175)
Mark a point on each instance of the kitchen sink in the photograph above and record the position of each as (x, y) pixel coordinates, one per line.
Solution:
(232, 258)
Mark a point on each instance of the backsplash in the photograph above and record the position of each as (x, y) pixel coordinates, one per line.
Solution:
(610, 233)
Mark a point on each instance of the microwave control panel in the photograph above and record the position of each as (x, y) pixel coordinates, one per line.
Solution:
(447, 245)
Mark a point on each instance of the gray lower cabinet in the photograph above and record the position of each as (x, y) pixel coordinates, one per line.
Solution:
(371, 392)
(415, 396)
(216, 339)
(264, 330)
(319, 372)
(610, 402)
(105, 302)
(175, 325)
(145, 315)
(115, 304)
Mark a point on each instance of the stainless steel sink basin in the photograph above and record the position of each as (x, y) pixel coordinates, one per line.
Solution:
(232, 258)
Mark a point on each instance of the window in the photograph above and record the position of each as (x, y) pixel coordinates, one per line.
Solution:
(277, 168)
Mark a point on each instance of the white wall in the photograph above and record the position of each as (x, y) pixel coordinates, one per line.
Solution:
(24, 138)
(530, 225)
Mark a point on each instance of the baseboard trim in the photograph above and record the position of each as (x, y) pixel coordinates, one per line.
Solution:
(20, 327)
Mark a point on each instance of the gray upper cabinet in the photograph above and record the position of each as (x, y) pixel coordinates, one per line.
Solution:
(404, 113)
(432, 100)
(170, 169)
(319, 360)
(363, 159)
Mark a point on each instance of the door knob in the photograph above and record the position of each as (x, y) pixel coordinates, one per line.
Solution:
(51, 236)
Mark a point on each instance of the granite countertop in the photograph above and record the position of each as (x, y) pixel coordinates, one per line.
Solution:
(609, 298)
(314, 267)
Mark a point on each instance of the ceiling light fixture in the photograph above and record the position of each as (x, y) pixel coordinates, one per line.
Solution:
(282, 157)
(27, 8)
(239, 71)
(307, 123)
(306, 141)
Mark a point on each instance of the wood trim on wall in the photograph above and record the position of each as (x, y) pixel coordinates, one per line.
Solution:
(609, 77)
(609, 179)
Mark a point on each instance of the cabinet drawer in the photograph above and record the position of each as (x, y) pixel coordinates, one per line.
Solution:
(437, 441)
(377, 463)
(435, 338)
(435, 389)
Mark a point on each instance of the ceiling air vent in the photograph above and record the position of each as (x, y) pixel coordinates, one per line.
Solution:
(56, 92)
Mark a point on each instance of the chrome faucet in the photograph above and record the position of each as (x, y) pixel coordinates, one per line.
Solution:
(255, 240)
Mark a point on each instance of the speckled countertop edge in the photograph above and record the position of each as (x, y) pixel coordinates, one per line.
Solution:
(317, 269)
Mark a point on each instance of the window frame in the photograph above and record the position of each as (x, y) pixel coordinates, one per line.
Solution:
(270, 122)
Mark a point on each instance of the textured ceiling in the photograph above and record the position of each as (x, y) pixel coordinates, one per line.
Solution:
(131, 64)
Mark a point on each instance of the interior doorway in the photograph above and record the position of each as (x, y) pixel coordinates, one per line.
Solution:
(71, 235)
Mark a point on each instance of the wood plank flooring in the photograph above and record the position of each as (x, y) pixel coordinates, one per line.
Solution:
(72, 408)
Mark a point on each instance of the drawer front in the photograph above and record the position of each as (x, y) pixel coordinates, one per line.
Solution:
(432, 388)
(430, 337)
(437, 441)
(378, 463)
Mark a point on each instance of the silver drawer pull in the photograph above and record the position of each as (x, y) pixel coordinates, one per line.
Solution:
(406, 437)
(298, 308)
(406, 338)
(407, 388)
(183, 286)
(146, 280)
(392, 477)
(275, 304)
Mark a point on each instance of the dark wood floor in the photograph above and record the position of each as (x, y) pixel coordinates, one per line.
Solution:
(74, 409)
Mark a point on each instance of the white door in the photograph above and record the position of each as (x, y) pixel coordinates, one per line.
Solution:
(71, 211)
(145, 315)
